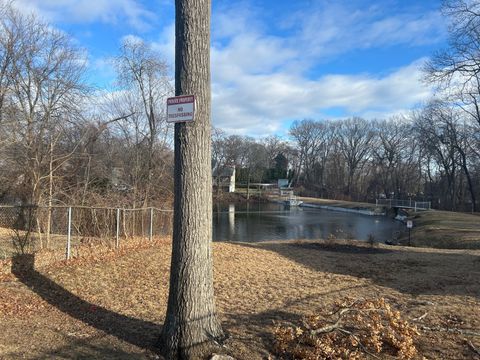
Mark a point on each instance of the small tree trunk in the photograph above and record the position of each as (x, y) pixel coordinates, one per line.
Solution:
(191, 323)
(50, 197)
(469, 179)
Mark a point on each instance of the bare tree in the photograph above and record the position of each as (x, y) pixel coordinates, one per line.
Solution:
(456, 69)
(459, 63)
(218, 148)
(274, 146)
(305, 133)
(256, 163)
(54, 141)
(191, 322)
(433, 128)
(456, 72)
(395, 157)
(355, 137)
(146, 84)
(236, 150)
(278, 153)
(44, 87)
(10, 49)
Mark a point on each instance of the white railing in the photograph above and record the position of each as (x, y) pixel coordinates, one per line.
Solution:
(410, 204)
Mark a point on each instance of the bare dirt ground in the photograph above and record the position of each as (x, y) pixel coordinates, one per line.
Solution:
(113, 308)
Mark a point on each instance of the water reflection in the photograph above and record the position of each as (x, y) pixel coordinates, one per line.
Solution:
(260, 222)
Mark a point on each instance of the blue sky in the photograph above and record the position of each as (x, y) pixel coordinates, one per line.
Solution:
(276, 61)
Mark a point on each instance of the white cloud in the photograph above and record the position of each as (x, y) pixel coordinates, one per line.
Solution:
(165, 44)
(254, 53)
(132, 39)
(89, 11)
(103, 71)
(232, 19)
(330, 29)
(260, 104)
(260, 80)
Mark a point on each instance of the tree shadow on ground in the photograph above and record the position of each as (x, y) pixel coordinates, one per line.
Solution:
(261, 324)
(88, 348)
(415, 271)
(134, 331)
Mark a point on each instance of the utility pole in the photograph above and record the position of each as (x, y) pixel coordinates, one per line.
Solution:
(191, 325)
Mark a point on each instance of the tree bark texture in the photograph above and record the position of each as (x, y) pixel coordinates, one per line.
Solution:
(191, 324)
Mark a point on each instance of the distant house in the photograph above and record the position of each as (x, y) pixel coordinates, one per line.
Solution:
(224, 178)
(283, 183)
(117, 180)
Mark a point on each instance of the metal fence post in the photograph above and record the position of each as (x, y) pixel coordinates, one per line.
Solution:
(69, 232)
(151, 224)
(117, 236)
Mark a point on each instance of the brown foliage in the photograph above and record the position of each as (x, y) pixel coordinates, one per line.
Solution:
(360, 327)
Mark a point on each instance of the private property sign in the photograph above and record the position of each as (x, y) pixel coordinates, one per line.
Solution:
(181, 108)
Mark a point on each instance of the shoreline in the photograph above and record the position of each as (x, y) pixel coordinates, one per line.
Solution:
(431, 228)
(343, 209)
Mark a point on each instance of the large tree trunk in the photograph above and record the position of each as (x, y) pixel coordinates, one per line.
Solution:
(191, 324)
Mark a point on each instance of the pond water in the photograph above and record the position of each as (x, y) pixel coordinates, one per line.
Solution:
(270, 221)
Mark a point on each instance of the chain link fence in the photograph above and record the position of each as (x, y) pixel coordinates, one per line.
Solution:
(28, 229)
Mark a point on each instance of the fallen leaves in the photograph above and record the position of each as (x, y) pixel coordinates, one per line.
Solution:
(20, 304)
(361, 327)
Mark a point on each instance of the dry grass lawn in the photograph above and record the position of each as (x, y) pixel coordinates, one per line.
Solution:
(447, 229)
(113, 309)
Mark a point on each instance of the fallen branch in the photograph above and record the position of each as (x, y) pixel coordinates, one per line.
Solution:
(420, 317)
(451, 330)
(331, 327)
(328, 328)
(343, 310)
(338, 326)
(473, 348)
(422, 303)
(338, 323)
(361, 327)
